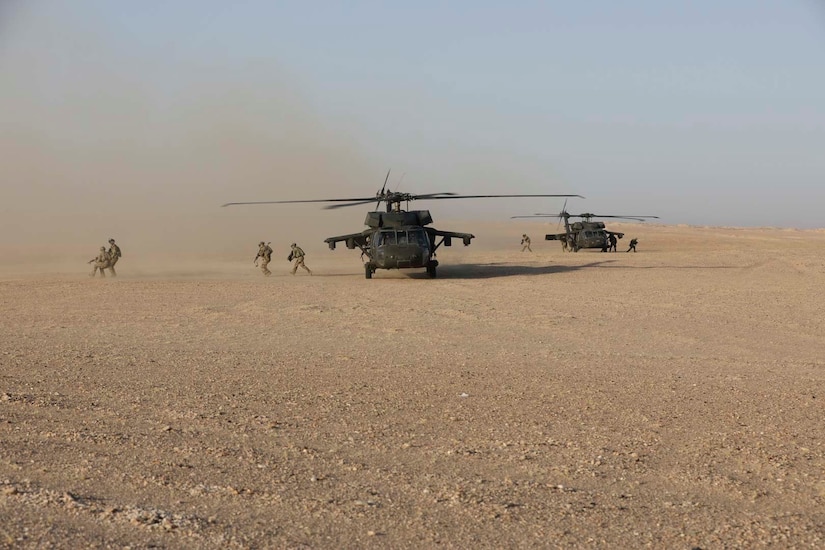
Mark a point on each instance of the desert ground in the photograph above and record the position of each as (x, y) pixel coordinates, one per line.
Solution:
(671, 398)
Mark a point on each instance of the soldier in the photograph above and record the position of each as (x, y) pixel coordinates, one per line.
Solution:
(265, 255)
(114, 256)
(99, 262)
(613, 241)
(525, 243)
(297, 255)
(633, 243)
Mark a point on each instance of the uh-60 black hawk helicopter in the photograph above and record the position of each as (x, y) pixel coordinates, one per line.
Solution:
(585, 233)
(397, 238)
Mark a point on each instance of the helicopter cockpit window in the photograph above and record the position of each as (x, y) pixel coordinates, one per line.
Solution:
(418, 237)
(385, 237)
(414, 237)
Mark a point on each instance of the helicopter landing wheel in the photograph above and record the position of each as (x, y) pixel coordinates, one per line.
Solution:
(368, 271)
(431, 271)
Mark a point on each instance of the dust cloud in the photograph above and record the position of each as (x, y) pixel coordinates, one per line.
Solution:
(101, 143)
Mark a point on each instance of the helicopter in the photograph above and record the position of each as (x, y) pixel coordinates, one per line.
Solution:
(396, 238)
(585, 233)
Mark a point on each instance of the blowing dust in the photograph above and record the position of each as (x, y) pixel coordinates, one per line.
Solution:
(101, 144)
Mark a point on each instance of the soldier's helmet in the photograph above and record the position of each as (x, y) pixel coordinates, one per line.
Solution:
(261, 243)
(293, 245)
(111, 241)
(103, 248)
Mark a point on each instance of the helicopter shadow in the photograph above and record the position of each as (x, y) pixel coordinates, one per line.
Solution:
(495, 270)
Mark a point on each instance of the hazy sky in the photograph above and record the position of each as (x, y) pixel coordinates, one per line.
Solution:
(145, 116)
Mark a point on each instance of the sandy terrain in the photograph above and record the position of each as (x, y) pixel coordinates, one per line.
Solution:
(671, 398)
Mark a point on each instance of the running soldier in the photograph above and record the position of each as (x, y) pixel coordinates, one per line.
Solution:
(633, 243)
(297, 256)
(265, 255)
(525, 243)
(114, 256)
(99, 263)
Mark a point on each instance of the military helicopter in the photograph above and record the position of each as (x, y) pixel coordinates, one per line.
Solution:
(585, 233)
(396, 238)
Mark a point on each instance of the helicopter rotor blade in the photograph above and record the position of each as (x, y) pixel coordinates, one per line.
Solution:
(634, 218)
(359, 199)
(356, 203)
(624, 218)
(563, 211)
(455, 196)
(390, 197)
(381, 194)
(432, 196)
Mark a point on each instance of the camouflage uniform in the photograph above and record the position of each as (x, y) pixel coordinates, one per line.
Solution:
(297, 256)
(264, 255)
(114, 256)
(525, 243)
(633, 243)
(612, 240)
(100, 262)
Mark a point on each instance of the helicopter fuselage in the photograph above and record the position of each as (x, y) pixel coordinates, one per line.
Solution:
(591, 238)
(401, 247)
(585, 235)
(399, 240)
